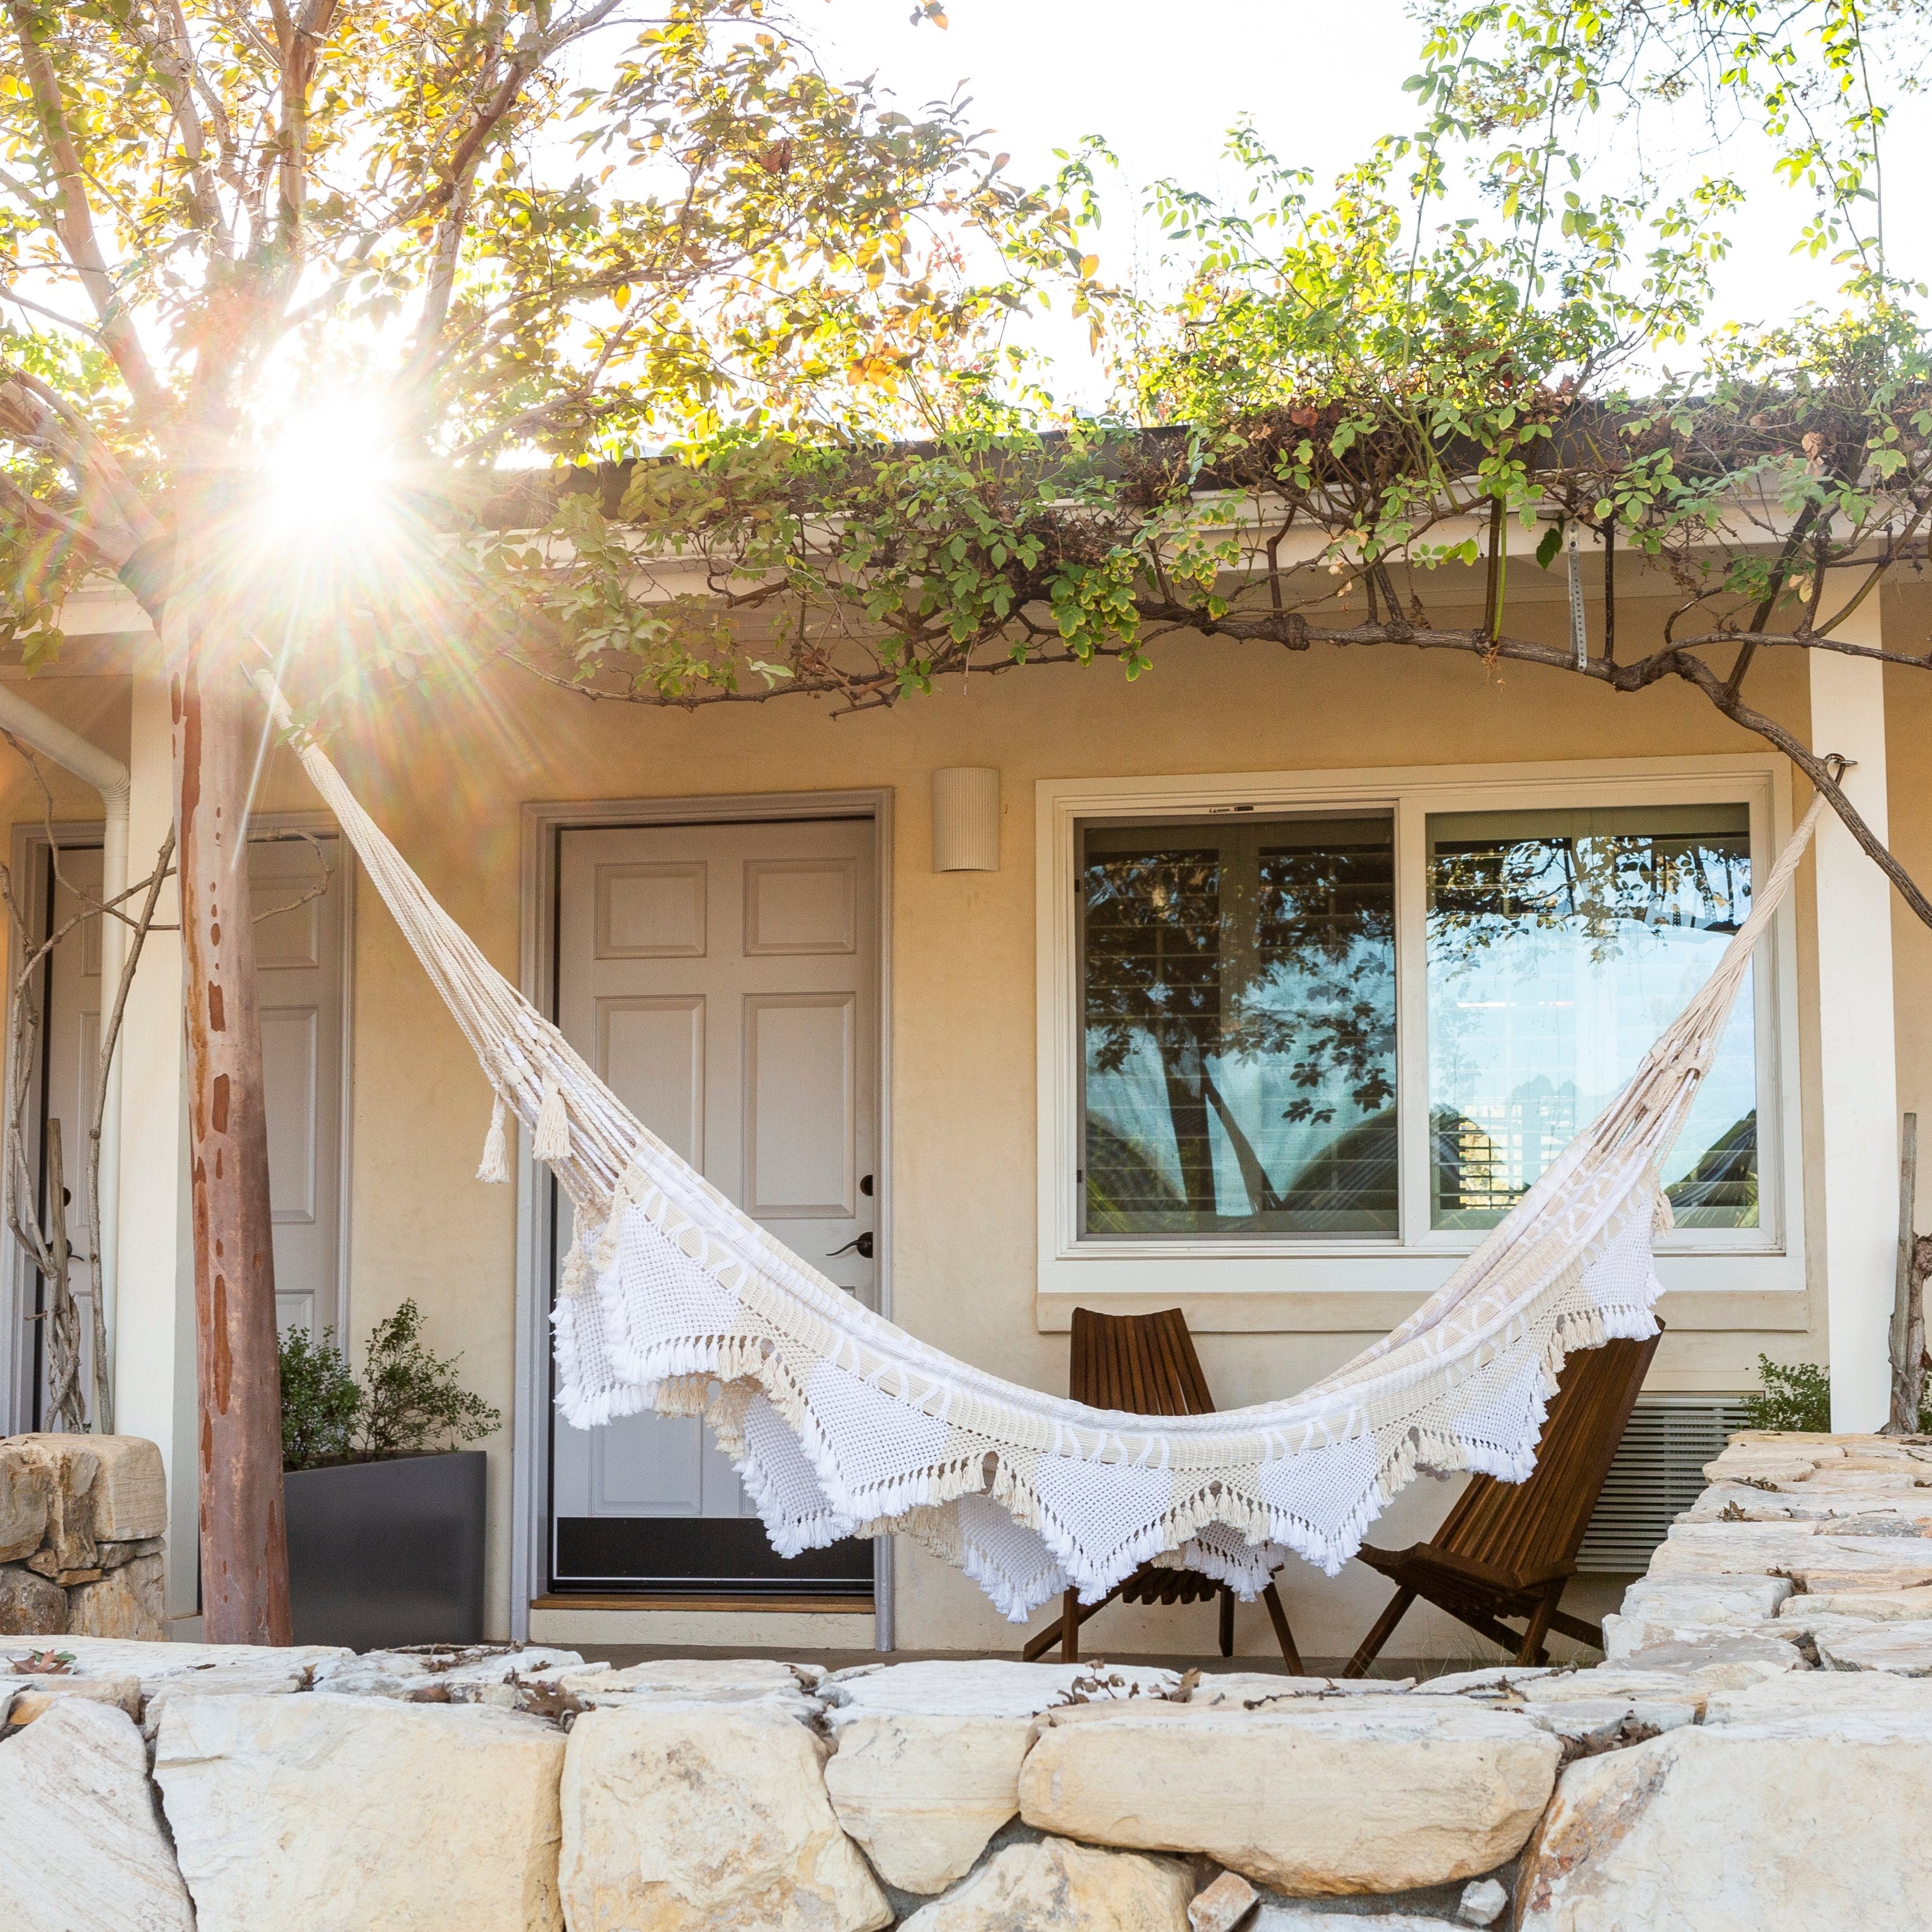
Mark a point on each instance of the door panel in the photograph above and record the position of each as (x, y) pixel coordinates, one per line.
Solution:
(299, 910)
(288, 1075)
(651, 1052)
(722, 979)
(650, 912)
(799, 1127)
(801, 905)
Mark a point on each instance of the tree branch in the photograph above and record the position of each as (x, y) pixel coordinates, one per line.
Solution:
(74, 223)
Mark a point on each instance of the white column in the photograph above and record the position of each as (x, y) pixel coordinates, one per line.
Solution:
(153, 1366)
(1859, 1086)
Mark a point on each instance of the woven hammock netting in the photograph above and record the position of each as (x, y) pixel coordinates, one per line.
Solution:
(841, 1424)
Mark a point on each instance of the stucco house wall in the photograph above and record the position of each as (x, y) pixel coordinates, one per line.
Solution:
(449, 788)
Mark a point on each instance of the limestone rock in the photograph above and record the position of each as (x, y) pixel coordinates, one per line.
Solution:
(1824, 1696)
(45, 1563)
(1221, 1906)
(342, 1814)
(1720, 1661)
(24, 1485)
(1813, 1554)
(455, 1673)
(1720, 1548)
(157, 1665)
(1375, 1795)
(1585, 1725)
(233, 1680)
(1259, 1690)
(1735, 1828)
(29, 1605)
(703, 1819)
(1483, 1902)
(922, 1795)
(130, 1492)
(1311, 1918)
(988, 1687)
(113, 1555)
(1876, 1606)
(1505, 1679)
(689, 1683)
(36, 1694)
(1054, 1886)
(731, 1680)
(81, 1846)
(70, 1467)
(131, 1600)
(1905, 1649)
(1704, 1600)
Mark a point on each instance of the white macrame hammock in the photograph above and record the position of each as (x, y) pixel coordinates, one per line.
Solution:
(841, 1424)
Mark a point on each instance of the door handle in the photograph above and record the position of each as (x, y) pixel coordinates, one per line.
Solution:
(863, 1243)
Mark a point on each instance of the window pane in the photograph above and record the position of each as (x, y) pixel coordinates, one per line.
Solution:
(1560, 945)
(1239, 1004)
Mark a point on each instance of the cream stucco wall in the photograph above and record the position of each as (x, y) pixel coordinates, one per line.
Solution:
(449, 788)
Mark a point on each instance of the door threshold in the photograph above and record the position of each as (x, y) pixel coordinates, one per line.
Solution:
(854, 1606)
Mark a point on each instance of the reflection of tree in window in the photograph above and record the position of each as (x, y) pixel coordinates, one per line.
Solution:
(1559, 944)
(1239, 1011)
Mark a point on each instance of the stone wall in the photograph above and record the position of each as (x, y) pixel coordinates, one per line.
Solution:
(81, 1523)
(1756, 1751)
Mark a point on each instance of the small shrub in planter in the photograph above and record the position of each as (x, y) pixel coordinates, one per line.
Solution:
(385, 1508)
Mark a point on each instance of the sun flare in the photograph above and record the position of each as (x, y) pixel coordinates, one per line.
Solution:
(328, 470)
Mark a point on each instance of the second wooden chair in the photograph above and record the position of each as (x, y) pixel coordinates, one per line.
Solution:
(1146, 1365)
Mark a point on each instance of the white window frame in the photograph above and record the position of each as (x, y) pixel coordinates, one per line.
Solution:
(1719, 1278)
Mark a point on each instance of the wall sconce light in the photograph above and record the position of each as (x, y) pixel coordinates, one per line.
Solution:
(966, 819)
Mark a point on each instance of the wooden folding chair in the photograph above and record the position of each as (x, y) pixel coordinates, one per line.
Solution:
(1146, 1365)
(1507, 1550)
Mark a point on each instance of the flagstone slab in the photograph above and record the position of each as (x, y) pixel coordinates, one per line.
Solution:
(922, 1795)
(703, 1818)
(1735, 1827)
(25, 1483)
(80, 1846)
(1875, 1605)
(988, 1687)
(1378, 1795)
(1055, 1886)
(1904, 1648)
(325, 1814)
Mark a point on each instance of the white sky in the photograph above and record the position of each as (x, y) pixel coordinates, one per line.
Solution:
(1320, 82)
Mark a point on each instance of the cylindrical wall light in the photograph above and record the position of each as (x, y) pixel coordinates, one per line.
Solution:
(966, 819)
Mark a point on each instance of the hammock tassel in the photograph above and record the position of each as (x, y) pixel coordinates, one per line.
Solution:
(571, 1286)
(604, 1256)
(552, 1140)
(495, 1164)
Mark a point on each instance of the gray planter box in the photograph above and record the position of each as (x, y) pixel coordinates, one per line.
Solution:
(383, 1554)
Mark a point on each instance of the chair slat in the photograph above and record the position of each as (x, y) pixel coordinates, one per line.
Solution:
(1507, 1549)
(1147, 1365)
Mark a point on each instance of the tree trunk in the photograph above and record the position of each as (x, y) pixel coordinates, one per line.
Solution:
(244, 1569)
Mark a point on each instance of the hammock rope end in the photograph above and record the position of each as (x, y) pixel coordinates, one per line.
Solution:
(495, 1166)
(551, 1141)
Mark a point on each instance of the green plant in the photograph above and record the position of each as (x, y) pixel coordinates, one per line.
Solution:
(408, 1402)
(320, 1401)
(1795, 1396)
(412, 1401)
(1798, 1395)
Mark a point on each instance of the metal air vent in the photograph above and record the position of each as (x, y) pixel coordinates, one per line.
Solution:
(1659, 1470)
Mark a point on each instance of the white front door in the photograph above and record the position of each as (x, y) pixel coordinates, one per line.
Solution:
(723, 979)
(299, 896)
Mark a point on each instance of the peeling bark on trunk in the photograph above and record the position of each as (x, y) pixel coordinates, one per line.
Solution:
(243, 1545)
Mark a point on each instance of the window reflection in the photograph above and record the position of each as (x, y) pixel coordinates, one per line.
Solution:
(1239, 1009)
(1560, 944)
